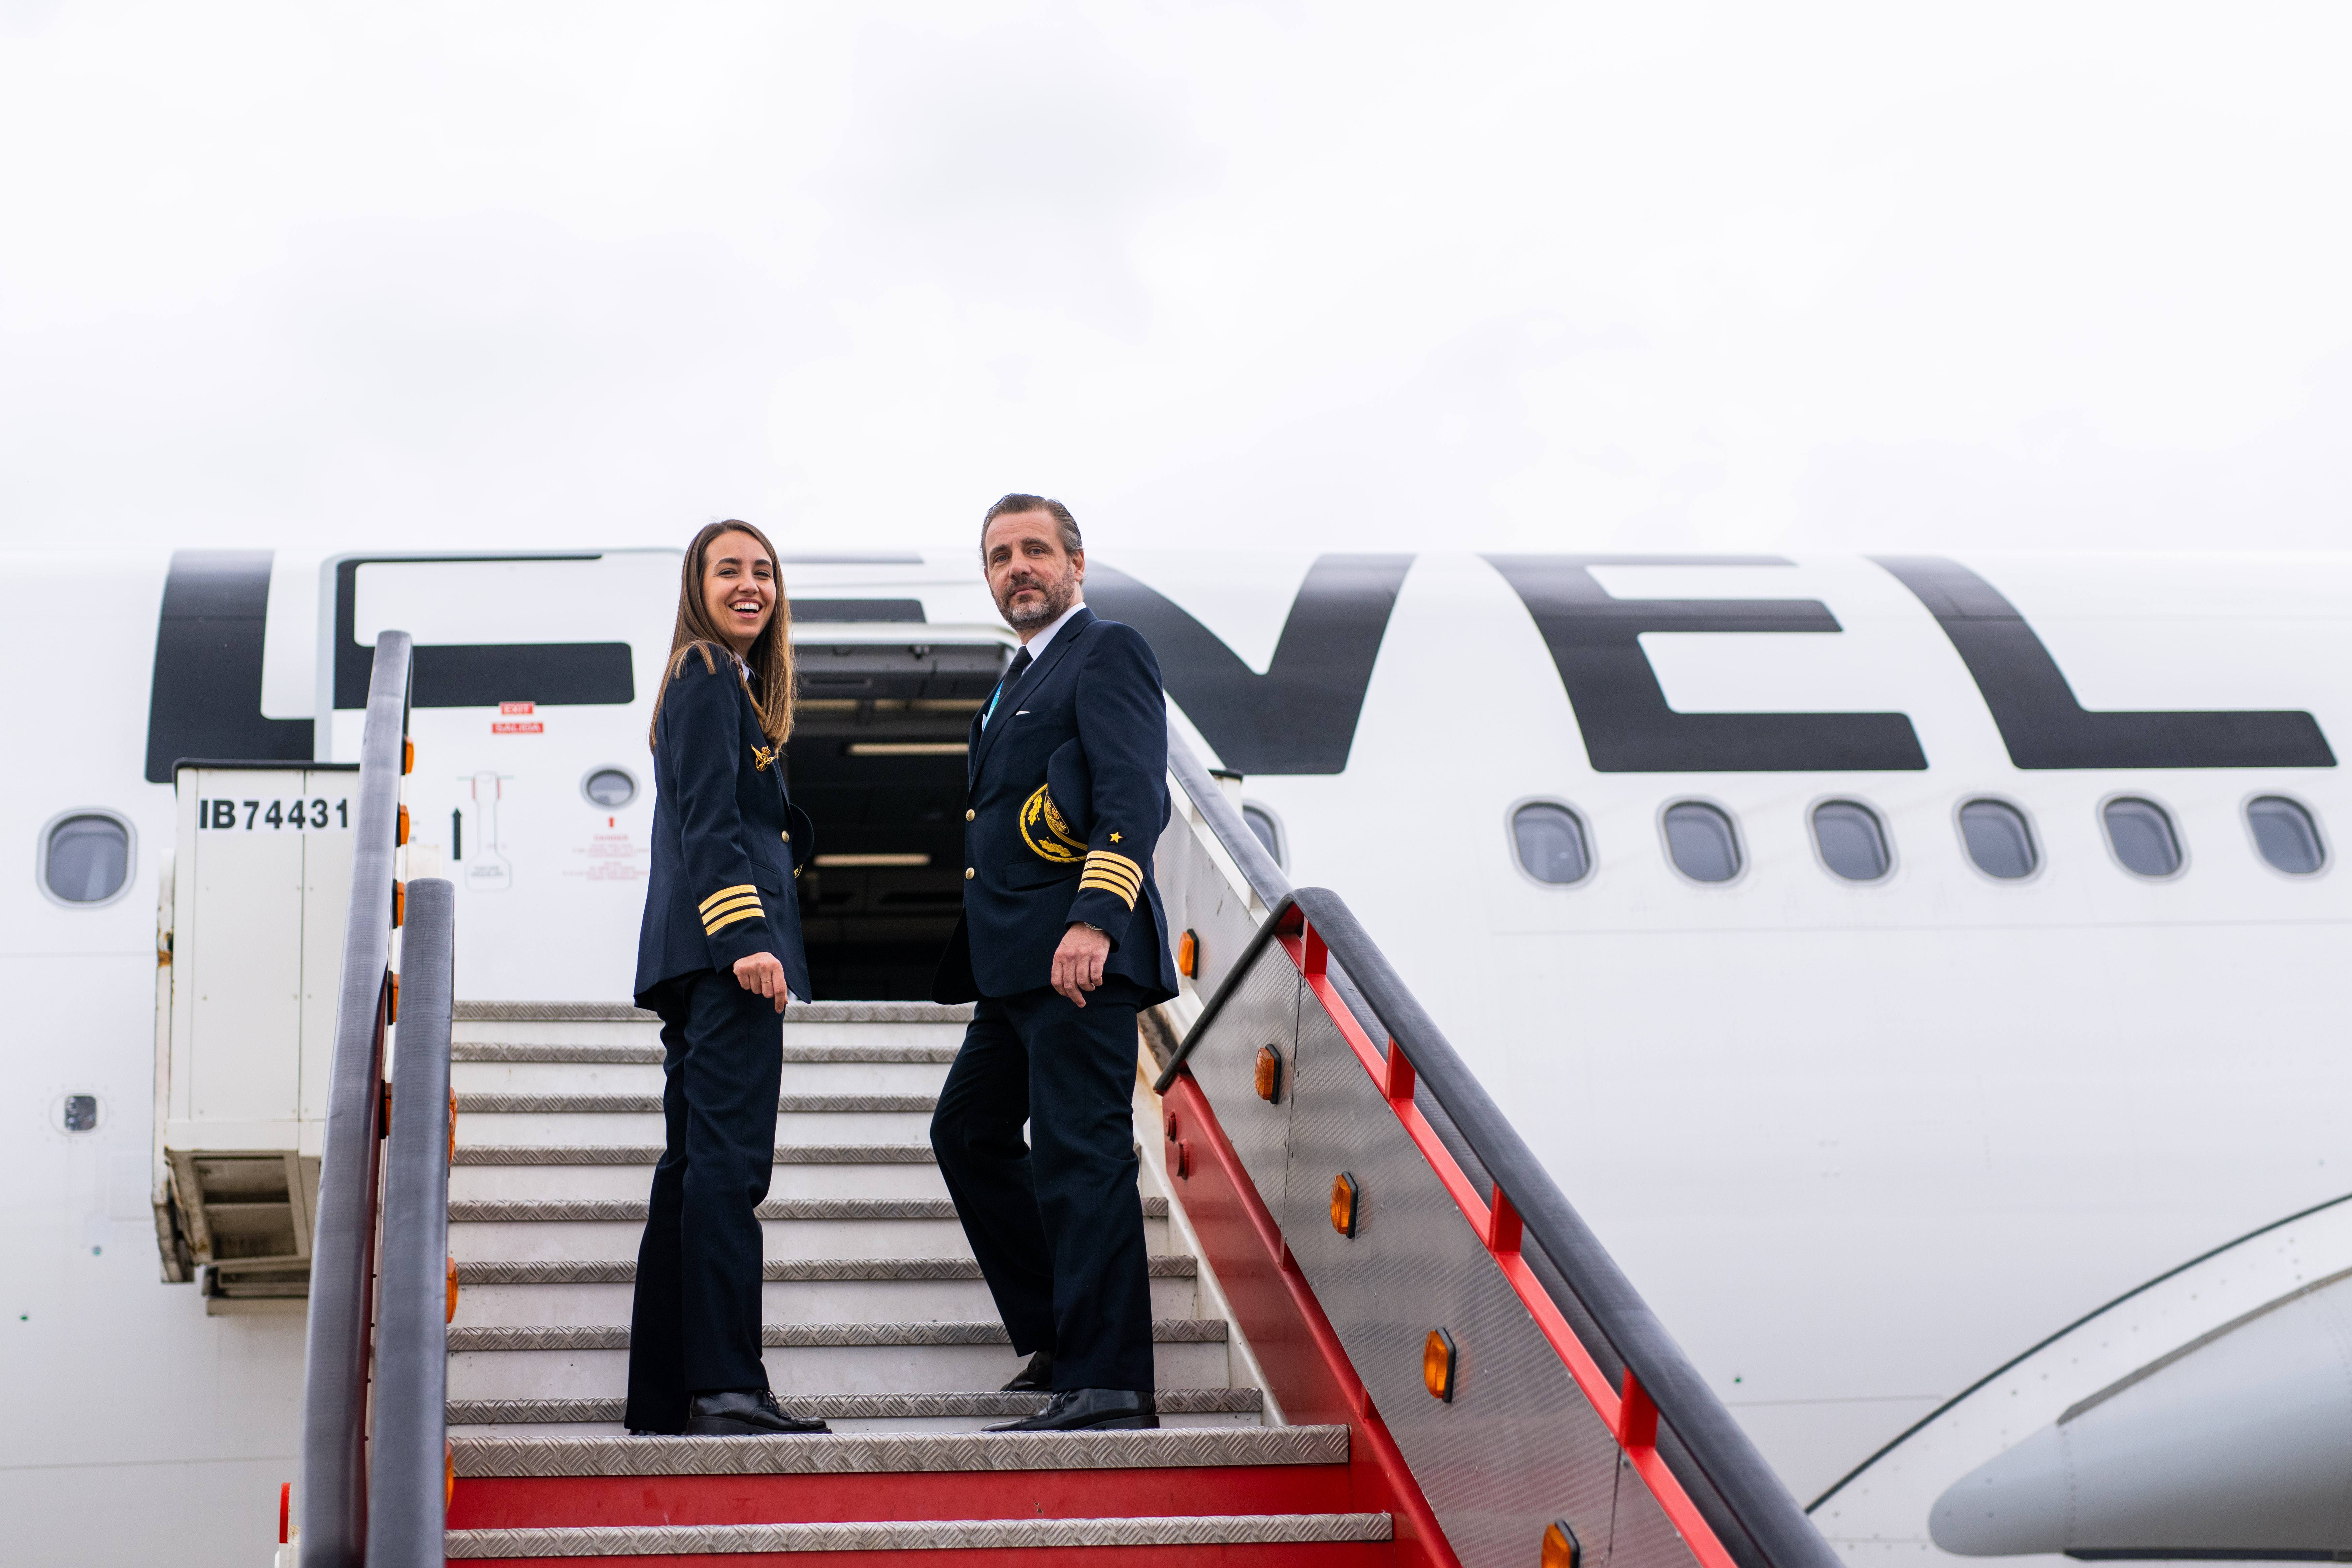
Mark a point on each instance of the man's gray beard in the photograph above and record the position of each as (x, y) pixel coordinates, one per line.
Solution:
(1058, 597)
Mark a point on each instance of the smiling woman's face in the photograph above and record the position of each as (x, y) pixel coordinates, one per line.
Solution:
(738, 586)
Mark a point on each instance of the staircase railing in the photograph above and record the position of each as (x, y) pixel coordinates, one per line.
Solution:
(353, 1219)
(1461, 1264)
(409, 1475)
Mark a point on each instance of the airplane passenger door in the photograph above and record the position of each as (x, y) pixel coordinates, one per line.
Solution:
(534, 683)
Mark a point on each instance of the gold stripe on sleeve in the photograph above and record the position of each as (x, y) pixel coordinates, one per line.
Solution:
(728, 908)
(715, 927)
(1109, 863)
(725, 893)
(1091, 882)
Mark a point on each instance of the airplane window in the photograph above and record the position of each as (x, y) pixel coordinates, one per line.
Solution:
(1551, 844)
(85, 858)
(1997, 839)
(609, 787)
(2286, 834)
(2142, 838)
(1702, 841)
(1268, 832)
(1851, 840)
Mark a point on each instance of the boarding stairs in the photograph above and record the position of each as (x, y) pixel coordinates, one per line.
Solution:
(1383, 1334)
(877, 1320)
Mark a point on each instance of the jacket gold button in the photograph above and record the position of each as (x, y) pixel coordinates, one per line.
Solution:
(968, 873)
(970, 815)
(788, 838)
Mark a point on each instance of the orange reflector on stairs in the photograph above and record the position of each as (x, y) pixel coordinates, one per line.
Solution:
(399, 904)
(400, 835)
(448, 1475)
(1269, 1075)
(1560, 1548)
(1437, 1364)
(407, 755)
(1343, 1204)
(452, 1315)
(1188, 956)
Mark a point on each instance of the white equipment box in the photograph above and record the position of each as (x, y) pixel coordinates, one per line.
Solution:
(253, 944)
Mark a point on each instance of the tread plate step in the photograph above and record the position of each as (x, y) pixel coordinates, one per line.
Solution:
(774, 1336)
(649, 1154)
(623, 1013)
(855, 1406)
(1165, 1265)
(918, 1535)
(651, 1056)
(876, 1453)
(548, 1211)
(489, 1104)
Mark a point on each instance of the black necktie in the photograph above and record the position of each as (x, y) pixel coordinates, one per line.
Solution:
(1013, 673)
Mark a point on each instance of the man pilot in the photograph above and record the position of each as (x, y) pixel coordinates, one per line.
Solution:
(1063, 939)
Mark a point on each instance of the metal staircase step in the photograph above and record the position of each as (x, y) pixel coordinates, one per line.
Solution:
(464, 1013)
(920, 1535)
(869, 1453)
(649, 1154)
(644, 1055)
(525, 1211)
(774, 1336)
(480, 1104)
(993, 1404)
(573, 1271)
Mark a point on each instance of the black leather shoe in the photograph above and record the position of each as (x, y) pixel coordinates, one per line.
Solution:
(1089, 1410)
(1037, 1377)
(743, 1413)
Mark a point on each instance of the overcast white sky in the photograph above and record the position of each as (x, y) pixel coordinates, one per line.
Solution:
(1300, 275)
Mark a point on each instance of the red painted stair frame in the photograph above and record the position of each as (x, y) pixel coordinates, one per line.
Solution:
(1286, 1328)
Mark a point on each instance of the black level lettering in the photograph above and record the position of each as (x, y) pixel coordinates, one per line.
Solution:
(2044, 727)
(482, 675)
(1299, 717)
(1595, 644)
(457, 833)
(252, 809)
(205, 699)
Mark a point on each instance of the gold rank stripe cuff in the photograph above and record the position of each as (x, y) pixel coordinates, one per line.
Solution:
(723, 894)
(748, 901)
(1112, 873)
(714, 927)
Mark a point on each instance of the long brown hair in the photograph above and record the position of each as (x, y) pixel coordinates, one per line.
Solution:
(771, 656)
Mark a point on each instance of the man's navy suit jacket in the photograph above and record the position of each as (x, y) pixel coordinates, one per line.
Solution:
(1069, 794)
(728, 841)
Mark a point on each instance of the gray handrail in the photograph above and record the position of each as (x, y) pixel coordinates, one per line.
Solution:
(342, 1241)
(407, 1503)
(1265, 878)
(1729, 1481)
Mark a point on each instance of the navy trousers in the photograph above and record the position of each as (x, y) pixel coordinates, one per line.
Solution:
(695, 1325)
(1056, 1222)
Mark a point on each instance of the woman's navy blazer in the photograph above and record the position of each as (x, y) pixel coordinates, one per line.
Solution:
(1069, 795)
(728, 841)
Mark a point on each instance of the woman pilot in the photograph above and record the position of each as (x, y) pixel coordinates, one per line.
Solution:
(717, 957)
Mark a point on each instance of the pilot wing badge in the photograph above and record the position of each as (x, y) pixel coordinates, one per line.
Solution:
(762, 756)
(1044, 829)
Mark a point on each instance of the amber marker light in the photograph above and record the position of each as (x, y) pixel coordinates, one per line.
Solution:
(400, 829)
(452, 1315)
(1269, 1075)
(1343, 1204)
(1560, 1548)
(1437, 1364)
(1188, 956)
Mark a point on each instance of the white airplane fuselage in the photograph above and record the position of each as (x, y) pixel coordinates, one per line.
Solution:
(1860, 1143)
